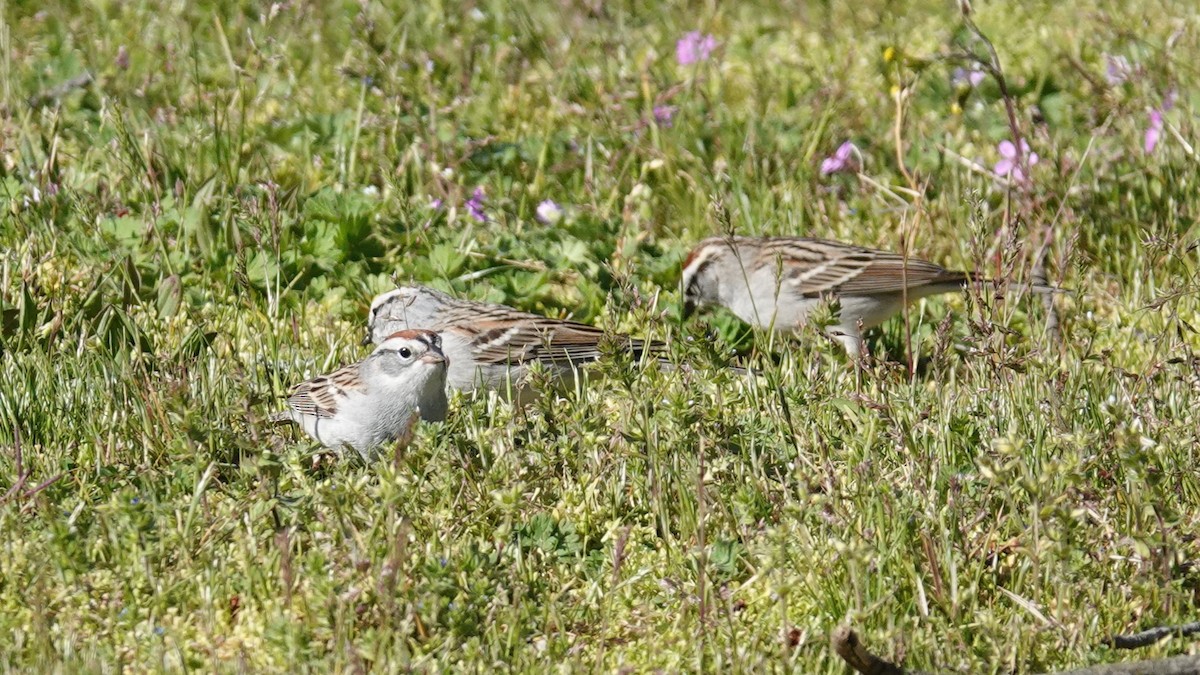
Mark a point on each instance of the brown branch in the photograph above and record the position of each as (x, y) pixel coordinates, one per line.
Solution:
(1148, 637)
(54, 94)
(16, 487)
(45, 484)
(1178, 665)
(847, 645)
(21, 475)
(1098, 87)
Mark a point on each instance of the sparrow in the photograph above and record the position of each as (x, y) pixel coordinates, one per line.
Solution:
(777, 282)
(376, 400)
(493, 346)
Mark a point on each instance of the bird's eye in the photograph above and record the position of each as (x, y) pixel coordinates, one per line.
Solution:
(405, 352)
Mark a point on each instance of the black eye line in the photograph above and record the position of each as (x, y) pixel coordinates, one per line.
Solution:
(688, 290)
(376, 309)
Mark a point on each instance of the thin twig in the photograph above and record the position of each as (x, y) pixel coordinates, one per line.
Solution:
(846, 644)
(908, 232)
(16, 487)
(53, 94)
(45, 484)
(22, 476)
(1148, 637)
(1179, 665)
(997, 73)
(1098, 87)
(1187, 147)
(889, 191)
(976, 166)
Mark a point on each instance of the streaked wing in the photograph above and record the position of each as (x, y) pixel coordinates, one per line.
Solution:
(529, 338)
(816, 267)
(551, 341)
(891, 272)
(319, 396)
(580, 342)
(502, 335)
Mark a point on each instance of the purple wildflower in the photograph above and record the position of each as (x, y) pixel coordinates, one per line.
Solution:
(663, 115)
(1153, 132)
(475, 205)
(549, 212)
(843, 159)
(436, 204)
(694, 47)
(1117, 70)
(122, 59)
(1009, 164)
(971, 78)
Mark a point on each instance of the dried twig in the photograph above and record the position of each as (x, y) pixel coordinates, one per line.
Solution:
(1179, 665)
(44, 484)
(16, 487)
(54, 94)
(847, 645)
(22, 476)
(1148, 637)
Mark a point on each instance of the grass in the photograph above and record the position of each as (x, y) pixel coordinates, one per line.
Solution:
(204, 223)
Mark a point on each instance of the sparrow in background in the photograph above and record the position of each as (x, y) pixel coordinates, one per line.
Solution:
(777, 282)
(491, 346)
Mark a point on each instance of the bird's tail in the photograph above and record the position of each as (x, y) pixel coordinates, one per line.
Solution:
(1025, 286)
(963, 280)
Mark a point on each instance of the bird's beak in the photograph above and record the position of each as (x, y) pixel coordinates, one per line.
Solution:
(366, 339)
(431, 357)
(689, 308)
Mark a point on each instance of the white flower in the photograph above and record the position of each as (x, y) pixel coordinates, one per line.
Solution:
(548, 212)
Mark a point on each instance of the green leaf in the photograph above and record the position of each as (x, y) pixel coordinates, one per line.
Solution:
(170, 293)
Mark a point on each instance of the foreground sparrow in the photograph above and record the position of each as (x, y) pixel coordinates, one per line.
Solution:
(491, 346)
(376, 400)
(776, 282)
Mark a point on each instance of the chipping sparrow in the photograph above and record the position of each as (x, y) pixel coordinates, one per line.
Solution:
(491, 345)
(776, 282)
(376, 400)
